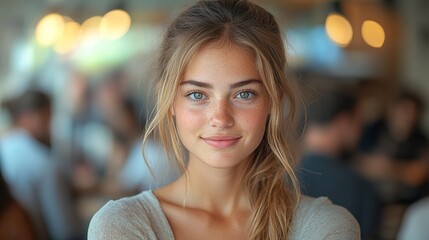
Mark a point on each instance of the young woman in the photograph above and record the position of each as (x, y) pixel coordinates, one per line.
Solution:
(223, 108)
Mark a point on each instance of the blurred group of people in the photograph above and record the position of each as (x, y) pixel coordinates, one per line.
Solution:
(33, 177)
(368, 167)
(52, 185)
(363, 166)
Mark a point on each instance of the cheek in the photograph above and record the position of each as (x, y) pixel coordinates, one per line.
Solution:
(187, 120)
(254, 121)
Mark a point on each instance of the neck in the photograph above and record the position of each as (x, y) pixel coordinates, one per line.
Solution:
(215, 190)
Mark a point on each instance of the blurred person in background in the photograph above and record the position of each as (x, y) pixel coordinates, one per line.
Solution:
(331, 135)
(33, 176)
(126, 169)
(394, 152)
(134, 175)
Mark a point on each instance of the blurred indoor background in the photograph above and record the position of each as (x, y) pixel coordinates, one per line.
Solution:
(94, 59)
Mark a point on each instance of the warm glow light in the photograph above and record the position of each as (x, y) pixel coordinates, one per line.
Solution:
(69, 39)
(49, 29)
(373, 33)
(90, 34)
(91, 25)
(339, 30)
(115, 24)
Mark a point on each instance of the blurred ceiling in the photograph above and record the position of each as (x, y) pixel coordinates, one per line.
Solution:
(18, 18)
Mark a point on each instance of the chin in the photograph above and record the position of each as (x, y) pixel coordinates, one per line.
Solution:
(223, 162)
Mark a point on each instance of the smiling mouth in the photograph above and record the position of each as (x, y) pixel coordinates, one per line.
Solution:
(221, 142)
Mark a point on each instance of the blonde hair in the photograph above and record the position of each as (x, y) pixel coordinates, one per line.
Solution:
(270, 179)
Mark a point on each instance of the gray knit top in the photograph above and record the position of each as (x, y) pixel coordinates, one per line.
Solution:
(141, 217)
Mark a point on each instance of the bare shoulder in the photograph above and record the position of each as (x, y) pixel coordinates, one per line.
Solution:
(319, 218)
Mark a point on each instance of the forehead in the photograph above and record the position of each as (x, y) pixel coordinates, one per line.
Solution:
(225, 61)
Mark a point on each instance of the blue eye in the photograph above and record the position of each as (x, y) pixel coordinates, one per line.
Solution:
(196, 96)
(245, 95)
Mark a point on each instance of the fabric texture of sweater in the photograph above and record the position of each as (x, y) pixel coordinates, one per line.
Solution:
(141, 217)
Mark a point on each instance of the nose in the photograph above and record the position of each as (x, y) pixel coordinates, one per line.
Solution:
(222, 115)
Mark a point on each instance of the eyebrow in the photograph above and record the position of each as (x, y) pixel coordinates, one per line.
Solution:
(208, 85)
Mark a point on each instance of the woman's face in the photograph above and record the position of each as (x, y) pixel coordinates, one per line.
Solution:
(221, 106)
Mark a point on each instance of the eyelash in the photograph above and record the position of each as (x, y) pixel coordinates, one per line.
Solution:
(252, 94)
(204, 96)
(190, 93)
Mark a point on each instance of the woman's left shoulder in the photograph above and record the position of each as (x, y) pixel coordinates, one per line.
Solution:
(319, 218)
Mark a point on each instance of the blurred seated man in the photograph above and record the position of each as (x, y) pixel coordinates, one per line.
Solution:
(394, 152)
(332, 130)
(33, 176)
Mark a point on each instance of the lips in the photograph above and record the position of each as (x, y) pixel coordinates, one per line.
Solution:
(221, 142)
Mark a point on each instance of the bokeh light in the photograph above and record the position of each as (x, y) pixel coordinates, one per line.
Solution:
(90, 26)
(115, 24)
(69, 39)
(373, 33)
(49, 29)
(339, 29)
